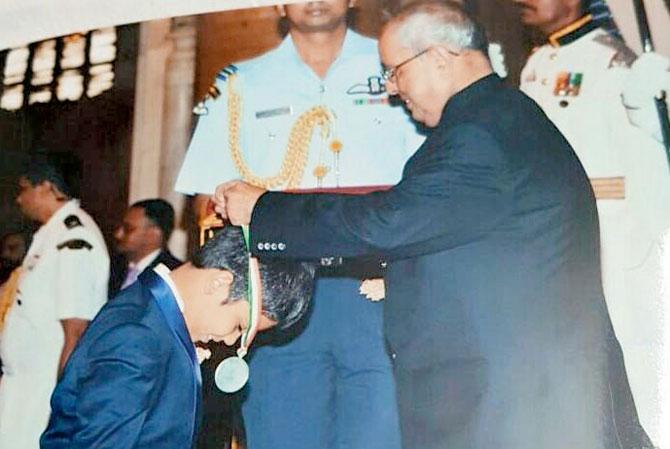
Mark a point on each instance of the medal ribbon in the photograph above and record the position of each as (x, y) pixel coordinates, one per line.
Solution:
(233, 372)
(253, 296)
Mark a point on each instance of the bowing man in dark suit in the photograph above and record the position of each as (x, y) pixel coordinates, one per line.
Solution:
(134, 381)
(494, 313)
(141, 241)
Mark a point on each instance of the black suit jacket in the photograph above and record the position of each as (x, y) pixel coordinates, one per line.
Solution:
(494, 309)
(119, 268)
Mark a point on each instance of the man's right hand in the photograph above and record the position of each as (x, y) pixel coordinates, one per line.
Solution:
(235, 201)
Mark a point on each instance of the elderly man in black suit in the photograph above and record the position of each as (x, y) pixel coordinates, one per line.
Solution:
(495, 313)
(141, 241)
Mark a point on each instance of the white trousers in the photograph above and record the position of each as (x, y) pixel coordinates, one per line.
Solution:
(24, 409)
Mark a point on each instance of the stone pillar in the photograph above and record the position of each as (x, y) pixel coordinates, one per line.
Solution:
(177, 115)
(154, 49)
(658, 14)
(162, 122)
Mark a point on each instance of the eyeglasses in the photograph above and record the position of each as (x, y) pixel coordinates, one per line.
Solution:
(389, 73)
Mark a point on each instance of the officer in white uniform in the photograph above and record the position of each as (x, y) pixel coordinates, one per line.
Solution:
(63, 279)
(578, 78)
(330, 386)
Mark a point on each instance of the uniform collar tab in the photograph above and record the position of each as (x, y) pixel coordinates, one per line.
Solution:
(573, 31)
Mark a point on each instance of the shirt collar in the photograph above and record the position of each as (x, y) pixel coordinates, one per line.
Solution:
(350, 47)
(164, 273)
(572, 31)
(145, 261)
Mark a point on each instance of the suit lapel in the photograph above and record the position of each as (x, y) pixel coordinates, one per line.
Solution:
(167, 304)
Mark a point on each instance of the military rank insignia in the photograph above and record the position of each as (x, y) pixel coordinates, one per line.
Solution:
(72, 221)
(75, 244)
(568, 84)
(373, 86)
(213, 92)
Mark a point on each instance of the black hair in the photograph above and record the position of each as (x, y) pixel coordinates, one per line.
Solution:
(62, 170)
(287, 286)
(160, 213)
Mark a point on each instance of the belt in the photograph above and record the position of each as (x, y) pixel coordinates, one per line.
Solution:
(337, 267)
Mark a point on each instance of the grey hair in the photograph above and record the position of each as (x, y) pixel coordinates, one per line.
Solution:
(421, 24)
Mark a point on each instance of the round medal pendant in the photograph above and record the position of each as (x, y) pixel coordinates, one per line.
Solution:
(231, 374)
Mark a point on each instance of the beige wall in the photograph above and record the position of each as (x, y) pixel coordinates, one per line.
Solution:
(659, 22)
(232, 36)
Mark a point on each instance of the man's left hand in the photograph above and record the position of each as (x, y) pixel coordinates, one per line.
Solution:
(235, 201)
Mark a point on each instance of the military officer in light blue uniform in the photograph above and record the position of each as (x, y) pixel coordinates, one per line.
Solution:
(312, 113)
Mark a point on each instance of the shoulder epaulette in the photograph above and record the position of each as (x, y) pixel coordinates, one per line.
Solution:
(213, 91)
(75, 244)
(226, 72)
(623, 55)
(72, 221)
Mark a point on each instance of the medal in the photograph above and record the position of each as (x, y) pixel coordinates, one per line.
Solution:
(575, 84)
(568, 84)
(231, 374)
(561, 84)
(370, 101)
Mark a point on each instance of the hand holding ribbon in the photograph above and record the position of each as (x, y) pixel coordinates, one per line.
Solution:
(233, 373)
(235, 201)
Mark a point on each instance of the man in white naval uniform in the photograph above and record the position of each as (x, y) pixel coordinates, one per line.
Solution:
(63, 284)
(313, 114)
(578, 78)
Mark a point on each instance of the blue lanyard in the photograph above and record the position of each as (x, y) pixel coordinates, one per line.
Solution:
(168, 304)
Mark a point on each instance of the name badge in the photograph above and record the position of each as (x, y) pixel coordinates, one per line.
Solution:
(286, 110)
